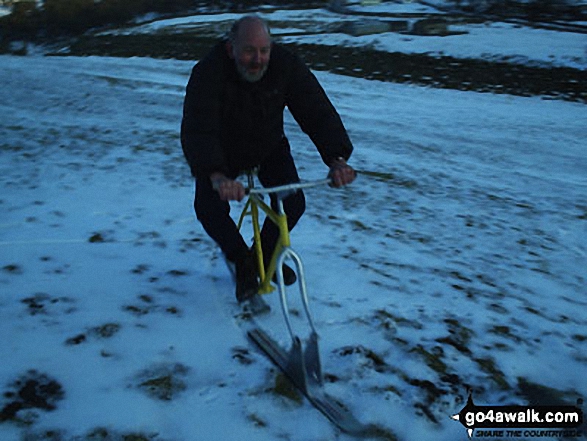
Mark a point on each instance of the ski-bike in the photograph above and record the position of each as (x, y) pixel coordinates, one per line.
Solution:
(301, 361)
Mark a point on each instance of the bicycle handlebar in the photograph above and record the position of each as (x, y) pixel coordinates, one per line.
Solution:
(288, 187)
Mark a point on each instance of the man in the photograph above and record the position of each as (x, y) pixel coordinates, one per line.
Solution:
(233, 122)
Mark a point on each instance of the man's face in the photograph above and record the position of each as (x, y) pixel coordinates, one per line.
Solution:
(251, 51)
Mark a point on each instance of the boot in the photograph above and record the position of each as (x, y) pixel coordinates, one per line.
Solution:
(289, 275)
(247, 283)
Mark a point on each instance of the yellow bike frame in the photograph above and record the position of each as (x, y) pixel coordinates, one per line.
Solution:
(301, 362)
(252, 208)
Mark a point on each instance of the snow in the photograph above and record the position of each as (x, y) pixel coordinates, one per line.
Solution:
(467, 224)
(492, 40)
(495, 41)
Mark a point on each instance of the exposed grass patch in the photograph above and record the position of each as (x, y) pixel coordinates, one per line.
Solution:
(12, 268)
(369, 357)
(459, 336)
(95, 434)
(432, 393)
(495, 374)
(43, 303)
(390, 178)
(32, 391)
(257, 420)
(538, 394)
(389, 320)
(97, 238)
(504, 331)
(381, 433)
(148, 304)
(432, 359)
(163, 382)
(105, 331)
(423, 69)
(284, 387)
(242, 355)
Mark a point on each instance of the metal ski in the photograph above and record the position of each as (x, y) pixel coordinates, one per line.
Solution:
(302, 367)
(302, 364)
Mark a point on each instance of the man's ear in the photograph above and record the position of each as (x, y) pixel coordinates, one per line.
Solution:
(229, 48)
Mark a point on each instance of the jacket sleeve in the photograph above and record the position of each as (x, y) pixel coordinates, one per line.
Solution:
(200, 125)
(317, 117)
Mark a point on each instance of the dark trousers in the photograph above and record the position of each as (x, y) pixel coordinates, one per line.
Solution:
(214, 213)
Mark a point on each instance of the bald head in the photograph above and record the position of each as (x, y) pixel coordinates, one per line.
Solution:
(249, 45)
(246, 25)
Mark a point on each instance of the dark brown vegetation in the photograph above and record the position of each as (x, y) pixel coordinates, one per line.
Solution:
(68, 21)
(422, 69)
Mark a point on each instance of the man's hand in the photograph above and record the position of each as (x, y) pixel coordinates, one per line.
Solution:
(228, 189)
(341, 173)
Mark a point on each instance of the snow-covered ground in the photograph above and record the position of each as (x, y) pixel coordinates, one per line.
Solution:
(456, 260)
(492, 40)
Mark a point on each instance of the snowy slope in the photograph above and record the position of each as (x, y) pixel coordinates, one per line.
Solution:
(500, 41)
(456, 260)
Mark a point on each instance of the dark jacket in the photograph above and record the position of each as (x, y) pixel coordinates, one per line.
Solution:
(230, 125)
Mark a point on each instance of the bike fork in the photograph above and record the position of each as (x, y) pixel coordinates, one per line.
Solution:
(303, 363)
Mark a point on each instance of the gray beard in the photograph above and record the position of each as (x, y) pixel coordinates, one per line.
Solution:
(250, 78)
